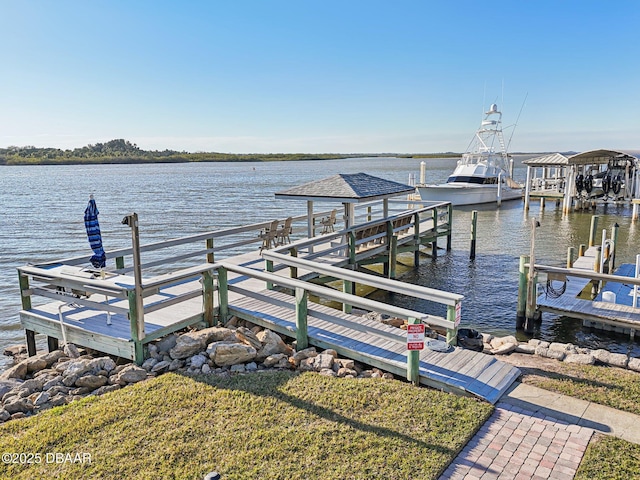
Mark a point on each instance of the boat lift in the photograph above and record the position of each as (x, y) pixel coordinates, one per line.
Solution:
(581, 181)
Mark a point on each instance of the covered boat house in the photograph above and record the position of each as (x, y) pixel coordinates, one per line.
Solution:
(582, 180)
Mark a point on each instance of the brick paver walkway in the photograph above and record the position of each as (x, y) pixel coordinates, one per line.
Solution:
(519, 445)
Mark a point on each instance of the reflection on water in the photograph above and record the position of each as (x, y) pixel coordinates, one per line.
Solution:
(43, 220)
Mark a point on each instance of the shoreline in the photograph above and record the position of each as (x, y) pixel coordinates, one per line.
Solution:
(51, 379)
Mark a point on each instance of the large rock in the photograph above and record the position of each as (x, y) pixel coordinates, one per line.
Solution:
(278, 360)
(15, 350)
(166, 343)
(197, 361)
(271, 344)
(40, 399)
(247, 336)
(161, 367)
(15, 405)
(232, 354)
(322, 362)
(91, 381)
(546, 352)
(299, 356)
(504, 348)
(525, 348)
(35, 363)
(614, 359)
(17, 371)
(131, 374)
(105, 389)
(580, 359)
(497, 342)
(634, 364)
(190, 343)
(8, 385)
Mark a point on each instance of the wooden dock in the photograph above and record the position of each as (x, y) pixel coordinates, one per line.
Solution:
(577, 301)
(283, 289)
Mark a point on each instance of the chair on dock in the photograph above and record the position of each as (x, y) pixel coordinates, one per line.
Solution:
(328, 222)
(269, 235)
(282, 234)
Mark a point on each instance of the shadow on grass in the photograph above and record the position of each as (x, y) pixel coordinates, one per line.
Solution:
(275, 381)
(537, 372)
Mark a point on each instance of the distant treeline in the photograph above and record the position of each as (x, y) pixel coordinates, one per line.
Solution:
(123, 151)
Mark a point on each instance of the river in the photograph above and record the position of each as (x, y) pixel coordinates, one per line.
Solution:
(43, 207)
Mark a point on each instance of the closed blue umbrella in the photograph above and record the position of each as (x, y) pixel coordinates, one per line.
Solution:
(99, 259)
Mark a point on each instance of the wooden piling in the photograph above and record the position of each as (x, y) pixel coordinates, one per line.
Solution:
(593, 230)
(582, 249)
(474, 224)
(522, 291)
(571, 253)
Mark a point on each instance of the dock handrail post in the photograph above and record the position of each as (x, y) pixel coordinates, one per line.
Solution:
(351, 238)
(136, 309)
(449, 225)
(434, 243)
(474, 223)
(302, 339)
(416, 239)
(593, 230)
(207, 297)
(386, 267)
(223, 295)
(413, 360)
(347, 287)
(527, 189)
(635, 287)
(210, 255)
(269, 268)
(393, 256)
(293, 271)
(571, 253)
(119, 262)
(596, 268)
(133, 321)
(522, 291)
(26, 305)
(614, 243)
(452, 333)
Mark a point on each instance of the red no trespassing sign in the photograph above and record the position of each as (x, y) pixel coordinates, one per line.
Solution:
(415, 337)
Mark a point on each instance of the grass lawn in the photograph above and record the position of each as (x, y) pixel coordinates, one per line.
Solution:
(271, 425)
(614, 387)
(609, 458)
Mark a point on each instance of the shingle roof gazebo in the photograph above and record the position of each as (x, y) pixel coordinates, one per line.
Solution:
(347, 188)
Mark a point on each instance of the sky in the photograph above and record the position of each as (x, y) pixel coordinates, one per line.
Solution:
(331, 76)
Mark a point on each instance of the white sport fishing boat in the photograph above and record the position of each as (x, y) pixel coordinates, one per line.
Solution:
(483, 174)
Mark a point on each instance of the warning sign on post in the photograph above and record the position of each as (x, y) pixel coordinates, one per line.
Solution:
(415, 337)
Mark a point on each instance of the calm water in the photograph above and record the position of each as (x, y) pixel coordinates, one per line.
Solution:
(42, 207)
